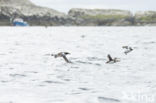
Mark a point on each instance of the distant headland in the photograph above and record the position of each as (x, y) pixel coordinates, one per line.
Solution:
(41, 16)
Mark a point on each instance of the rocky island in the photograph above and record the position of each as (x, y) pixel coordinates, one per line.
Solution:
(145, 18)
(99, 17)
(34, 15)
(42, 16)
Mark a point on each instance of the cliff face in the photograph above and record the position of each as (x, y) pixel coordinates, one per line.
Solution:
(97, 17)
(145, 18)
(31, 13)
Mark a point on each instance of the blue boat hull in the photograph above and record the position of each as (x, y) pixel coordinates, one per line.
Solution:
(20, 24)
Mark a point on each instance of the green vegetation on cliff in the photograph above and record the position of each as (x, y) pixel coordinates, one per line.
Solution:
(147, 17)
(105, 17)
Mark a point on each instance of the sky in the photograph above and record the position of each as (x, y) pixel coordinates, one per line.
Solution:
(65, 5)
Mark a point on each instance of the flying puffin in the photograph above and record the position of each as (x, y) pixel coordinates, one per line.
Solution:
(62, 54)
(128, 49)
(111, 60)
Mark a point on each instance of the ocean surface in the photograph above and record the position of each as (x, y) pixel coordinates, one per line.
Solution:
(28, 74)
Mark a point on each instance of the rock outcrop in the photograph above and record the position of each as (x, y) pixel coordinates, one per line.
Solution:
(34, 15)
(145, 18)
(98, 17)
(15, 2)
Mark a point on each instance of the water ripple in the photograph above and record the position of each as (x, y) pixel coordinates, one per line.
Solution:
(53, 82)
(108, 99)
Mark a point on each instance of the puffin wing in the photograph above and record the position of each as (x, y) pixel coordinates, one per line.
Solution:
(109, 57)
(65, 58)
(125, 47)
(66, 53)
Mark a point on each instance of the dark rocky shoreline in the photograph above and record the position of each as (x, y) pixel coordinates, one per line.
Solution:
(41, 16)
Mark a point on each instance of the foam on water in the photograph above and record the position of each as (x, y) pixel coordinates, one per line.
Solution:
(28, 75)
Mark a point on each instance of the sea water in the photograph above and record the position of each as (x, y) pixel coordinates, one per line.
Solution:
(28, 74)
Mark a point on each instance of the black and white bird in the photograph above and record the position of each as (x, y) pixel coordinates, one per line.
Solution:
(128, 49)
(62, 54)
(112, 60)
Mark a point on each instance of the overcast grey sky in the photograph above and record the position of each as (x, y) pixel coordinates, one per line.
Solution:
(65, 5)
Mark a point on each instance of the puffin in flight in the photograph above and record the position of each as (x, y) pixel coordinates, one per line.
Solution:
(112, 60)
(128, 49)
(62, 54)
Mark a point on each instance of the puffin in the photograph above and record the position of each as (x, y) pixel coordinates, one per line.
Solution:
(112, 60)
(63, 55)
(128, 49)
